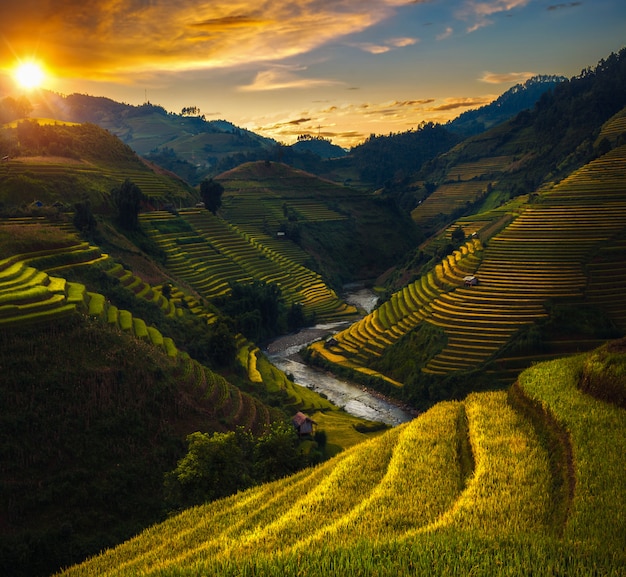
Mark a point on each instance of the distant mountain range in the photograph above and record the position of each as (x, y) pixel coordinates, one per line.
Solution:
(193, 147)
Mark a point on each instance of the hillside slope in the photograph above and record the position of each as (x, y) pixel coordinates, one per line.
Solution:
(519, 483)
(342, 233)
(547, 269)
(194, 144)
(98, 398)
(59, 165)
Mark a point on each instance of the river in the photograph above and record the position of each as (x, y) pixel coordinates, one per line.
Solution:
(353, 398)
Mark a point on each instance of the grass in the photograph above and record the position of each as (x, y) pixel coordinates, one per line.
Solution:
(410, 502)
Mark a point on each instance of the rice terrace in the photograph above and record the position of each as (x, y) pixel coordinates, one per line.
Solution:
(144, 431)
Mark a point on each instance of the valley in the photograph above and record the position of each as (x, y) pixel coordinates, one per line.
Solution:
(146, 423)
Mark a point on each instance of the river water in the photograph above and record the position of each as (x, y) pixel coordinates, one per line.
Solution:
(353, 398)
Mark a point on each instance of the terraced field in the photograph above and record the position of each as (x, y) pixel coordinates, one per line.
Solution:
(614, 128)
(211, 254)
(447, 198)
(519, 481)
(29, 295)
(152, 185)
(558, 249)
(463, 183)
(367, 339)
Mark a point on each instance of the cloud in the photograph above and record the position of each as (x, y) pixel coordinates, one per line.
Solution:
(337, 120)
(479, 13)
(288, 124)
(563, 5)
(280, 78)
(373, 48)
(109, 39)
(445, 34)
(464, 102)
(506, 77)
(386, 46)
(402, 42)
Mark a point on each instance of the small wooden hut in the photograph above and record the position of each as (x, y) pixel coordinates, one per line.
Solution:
(303, 424)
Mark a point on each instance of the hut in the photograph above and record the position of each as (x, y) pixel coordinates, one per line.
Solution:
(470, 280)
(303, 424)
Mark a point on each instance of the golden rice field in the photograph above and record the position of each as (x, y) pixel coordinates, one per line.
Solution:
(558, 248)
(468, 488)
(212, 253)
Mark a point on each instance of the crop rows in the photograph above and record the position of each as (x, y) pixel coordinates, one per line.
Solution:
(170, 306)
(541, 255)
(465, 485)
(546, 253)
(480, 168)
(29, 295)
(614, 128)
(447, 198)
(463, 183)
(215, 254)
(150, 184)
(244, 210)
(405, 309)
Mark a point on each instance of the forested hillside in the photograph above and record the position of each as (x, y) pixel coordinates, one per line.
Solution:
(513, 101)
(538, 146)
(134, 386)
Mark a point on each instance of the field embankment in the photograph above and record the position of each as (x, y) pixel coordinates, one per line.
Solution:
(467, 487)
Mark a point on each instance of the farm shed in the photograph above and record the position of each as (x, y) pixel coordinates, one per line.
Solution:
(303, 424)
(470, 280)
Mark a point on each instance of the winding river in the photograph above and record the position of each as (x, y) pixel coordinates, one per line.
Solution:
(354, 399)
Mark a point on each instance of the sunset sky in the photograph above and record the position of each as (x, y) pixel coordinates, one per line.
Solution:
(342, 68)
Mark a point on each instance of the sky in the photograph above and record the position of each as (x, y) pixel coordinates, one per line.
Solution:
(341, 69)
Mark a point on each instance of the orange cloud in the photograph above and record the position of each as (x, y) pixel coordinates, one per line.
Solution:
(110, 39)
(386, 46)
(465, 102)
(280, 78)
(506, 77)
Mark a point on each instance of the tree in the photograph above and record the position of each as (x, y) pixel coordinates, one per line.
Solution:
(458, 235)
(296, 317)
(84, 219)
(127, 200)
(211, 193)
(257, 308)
(11, 109)
(216, 465)
(222, 345)
(277, 452)
(190, 111)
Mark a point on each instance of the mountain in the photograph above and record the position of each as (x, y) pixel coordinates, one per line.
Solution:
(513, 101)
(538, 146)
(55, 163)
(345, 234)
(193, 148)
(532, 210)
(322, 147)
(117, 342)
(193, 145)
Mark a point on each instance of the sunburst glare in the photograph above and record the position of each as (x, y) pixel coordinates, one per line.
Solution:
(29, 75)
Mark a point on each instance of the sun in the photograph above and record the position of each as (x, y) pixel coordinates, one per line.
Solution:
(29, 75)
